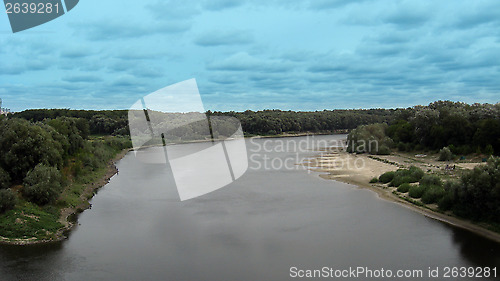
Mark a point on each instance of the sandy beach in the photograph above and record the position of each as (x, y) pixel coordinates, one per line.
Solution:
(359, 169)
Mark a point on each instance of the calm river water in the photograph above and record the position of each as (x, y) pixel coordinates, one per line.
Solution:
(256, 228)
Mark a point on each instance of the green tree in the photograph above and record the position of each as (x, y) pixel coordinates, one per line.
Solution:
(369, 138)
(401, 131)
(479, 194)
(7, 200)
(445, 154)
(423, 121)
(4, 179)
(42, 185)
(74, 129)
(23, 145)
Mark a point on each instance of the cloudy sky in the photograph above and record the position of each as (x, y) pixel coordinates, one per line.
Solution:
(298, 55)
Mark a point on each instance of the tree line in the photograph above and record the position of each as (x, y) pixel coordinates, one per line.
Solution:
(265, 122)
(460, 127)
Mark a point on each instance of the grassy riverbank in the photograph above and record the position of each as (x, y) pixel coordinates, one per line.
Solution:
(29, 223)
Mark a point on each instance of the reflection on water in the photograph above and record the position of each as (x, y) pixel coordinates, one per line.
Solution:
(479, 251)
(256, 228)
(30, 262)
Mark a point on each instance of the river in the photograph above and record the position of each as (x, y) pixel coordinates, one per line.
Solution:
(256, 228)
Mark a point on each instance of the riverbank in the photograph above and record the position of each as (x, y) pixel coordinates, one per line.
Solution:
(359, 169)
(287, 135)
(68, 215)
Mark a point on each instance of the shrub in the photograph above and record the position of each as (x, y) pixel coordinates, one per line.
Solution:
(446, 202)
(405, 187)
(402, 146)
(419, 147)
(413, 174)
(416, 191)
(374, 180)
(42, 185)
(462, 149)
(384, 150)
(489, 150)
(429, 180)
(433, 194)
(416, 173)
(400, 179)
(445, 154)
(4, 179)
(479, 192)
(369, 138)
(7, 200)
(386, 177)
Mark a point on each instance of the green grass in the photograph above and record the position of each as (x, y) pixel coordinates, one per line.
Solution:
(29, 220)
(71, 196)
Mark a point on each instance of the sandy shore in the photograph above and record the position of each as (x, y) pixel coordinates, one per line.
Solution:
(360, 169)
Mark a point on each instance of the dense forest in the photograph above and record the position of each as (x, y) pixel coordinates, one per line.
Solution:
(460, 127)
(266, 122)
(104, 122)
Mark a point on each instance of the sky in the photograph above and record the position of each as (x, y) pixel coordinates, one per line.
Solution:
(262, 54)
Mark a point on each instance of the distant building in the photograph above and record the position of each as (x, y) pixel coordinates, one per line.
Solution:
(3, 110)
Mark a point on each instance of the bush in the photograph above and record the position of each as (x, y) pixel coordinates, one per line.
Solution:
(479, 192)
(369, 138)
(403, 146)
(429, 180)
(416, 191)
(489, 150)
(416, 173)
(461, 150)
(386, 177)
(446, 202)
(433, 194)
(7, 200)
(400, 179)
(413, 174)
(42, 185)
(405, 187)
(4, 179)
(374, 180)
(445, 154)
(384, 150)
